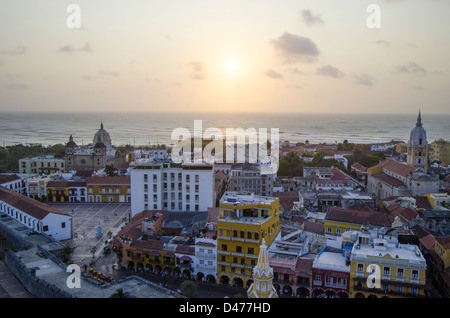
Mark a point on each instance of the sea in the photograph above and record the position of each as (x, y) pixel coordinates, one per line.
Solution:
(151, 128)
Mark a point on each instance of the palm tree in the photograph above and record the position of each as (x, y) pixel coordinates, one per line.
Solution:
(118, 294)
(93, 250)
(67, 250)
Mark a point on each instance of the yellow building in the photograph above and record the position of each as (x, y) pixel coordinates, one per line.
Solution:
(382, 267)
(244, 220)
(338, 220)
(437, 200)
(440, 151)
(37, 186)
(108, 189)
(42, 165)
(57, 191)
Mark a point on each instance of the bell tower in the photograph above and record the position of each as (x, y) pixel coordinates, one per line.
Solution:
(417, 155)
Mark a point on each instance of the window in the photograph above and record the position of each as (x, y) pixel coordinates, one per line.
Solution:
(415, 274)
(63, 225)
(360, 268)
(400, 273)
(45, 228)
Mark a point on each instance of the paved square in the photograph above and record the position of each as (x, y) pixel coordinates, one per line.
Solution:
(85, 218)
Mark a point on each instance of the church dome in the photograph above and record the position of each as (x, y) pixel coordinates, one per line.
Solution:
(71, 143)
(102, 136)
(418, 136)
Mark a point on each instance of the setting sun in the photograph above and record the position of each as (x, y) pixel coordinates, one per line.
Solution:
(231, 65)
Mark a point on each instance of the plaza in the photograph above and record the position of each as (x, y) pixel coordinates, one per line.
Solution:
(85, 219)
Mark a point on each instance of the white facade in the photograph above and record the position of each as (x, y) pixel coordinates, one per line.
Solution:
(205, 261)
(37, 216)
(168, 186)
(13, 182)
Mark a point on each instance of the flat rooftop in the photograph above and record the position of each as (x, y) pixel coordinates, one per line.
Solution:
(237, 197)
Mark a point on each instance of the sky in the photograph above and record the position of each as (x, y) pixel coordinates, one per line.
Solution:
(345, 56)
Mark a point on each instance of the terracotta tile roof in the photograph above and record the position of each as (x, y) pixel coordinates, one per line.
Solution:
(359, 217)
(422, 202)
(359, 167)
(148, 244)
(408, 214)
(32, 207)
(188, 250)
(397, 167)
(132, 229)
(387, 179)
(428, 241)
(313, 227)
(304, 266)
(205, 244)
(113, 180)
(8, 178)
(444, 241)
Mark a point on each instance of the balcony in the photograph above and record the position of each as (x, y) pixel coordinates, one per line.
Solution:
(238, 239)
(336, 285)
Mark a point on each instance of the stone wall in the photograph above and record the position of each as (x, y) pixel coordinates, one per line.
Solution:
(30, 281)
(13, 238)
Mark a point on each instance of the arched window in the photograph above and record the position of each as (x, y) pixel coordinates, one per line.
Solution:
(263, 287)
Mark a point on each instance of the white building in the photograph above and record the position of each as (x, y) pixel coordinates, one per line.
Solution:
(164, 185)
(13, 182)
(205, 263)
(36, 215)
(41, 165)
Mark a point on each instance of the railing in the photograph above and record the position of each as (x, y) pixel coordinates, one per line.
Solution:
(336, 285)
(239, 239)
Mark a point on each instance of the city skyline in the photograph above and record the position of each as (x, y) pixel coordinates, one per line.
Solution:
(219, 56)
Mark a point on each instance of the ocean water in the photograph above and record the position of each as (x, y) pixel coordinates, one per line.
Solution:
(156, 128)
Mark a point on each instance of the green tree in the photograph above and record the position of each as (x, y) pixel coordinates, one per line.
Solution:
(290, 165)
(67, 251)
(189, 289)
(93, 250)
(110, 171)
(118, 294)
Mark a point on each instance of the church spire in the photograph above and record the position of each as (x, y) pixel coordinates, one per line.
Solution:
(262, 286)
(419, 120)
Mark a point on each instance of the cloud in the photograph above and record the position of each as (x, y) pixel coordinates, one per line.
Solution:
(295, 48)
(411, 68)
(295, 70)
(15, 86)
(71, 49)
(197, 70)
(309, 19)
(363, 79)
(87, 48)
(383, 43)
(18, 50)
(67, 49)
(273, 74)
(109, 73)
(330, 71)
